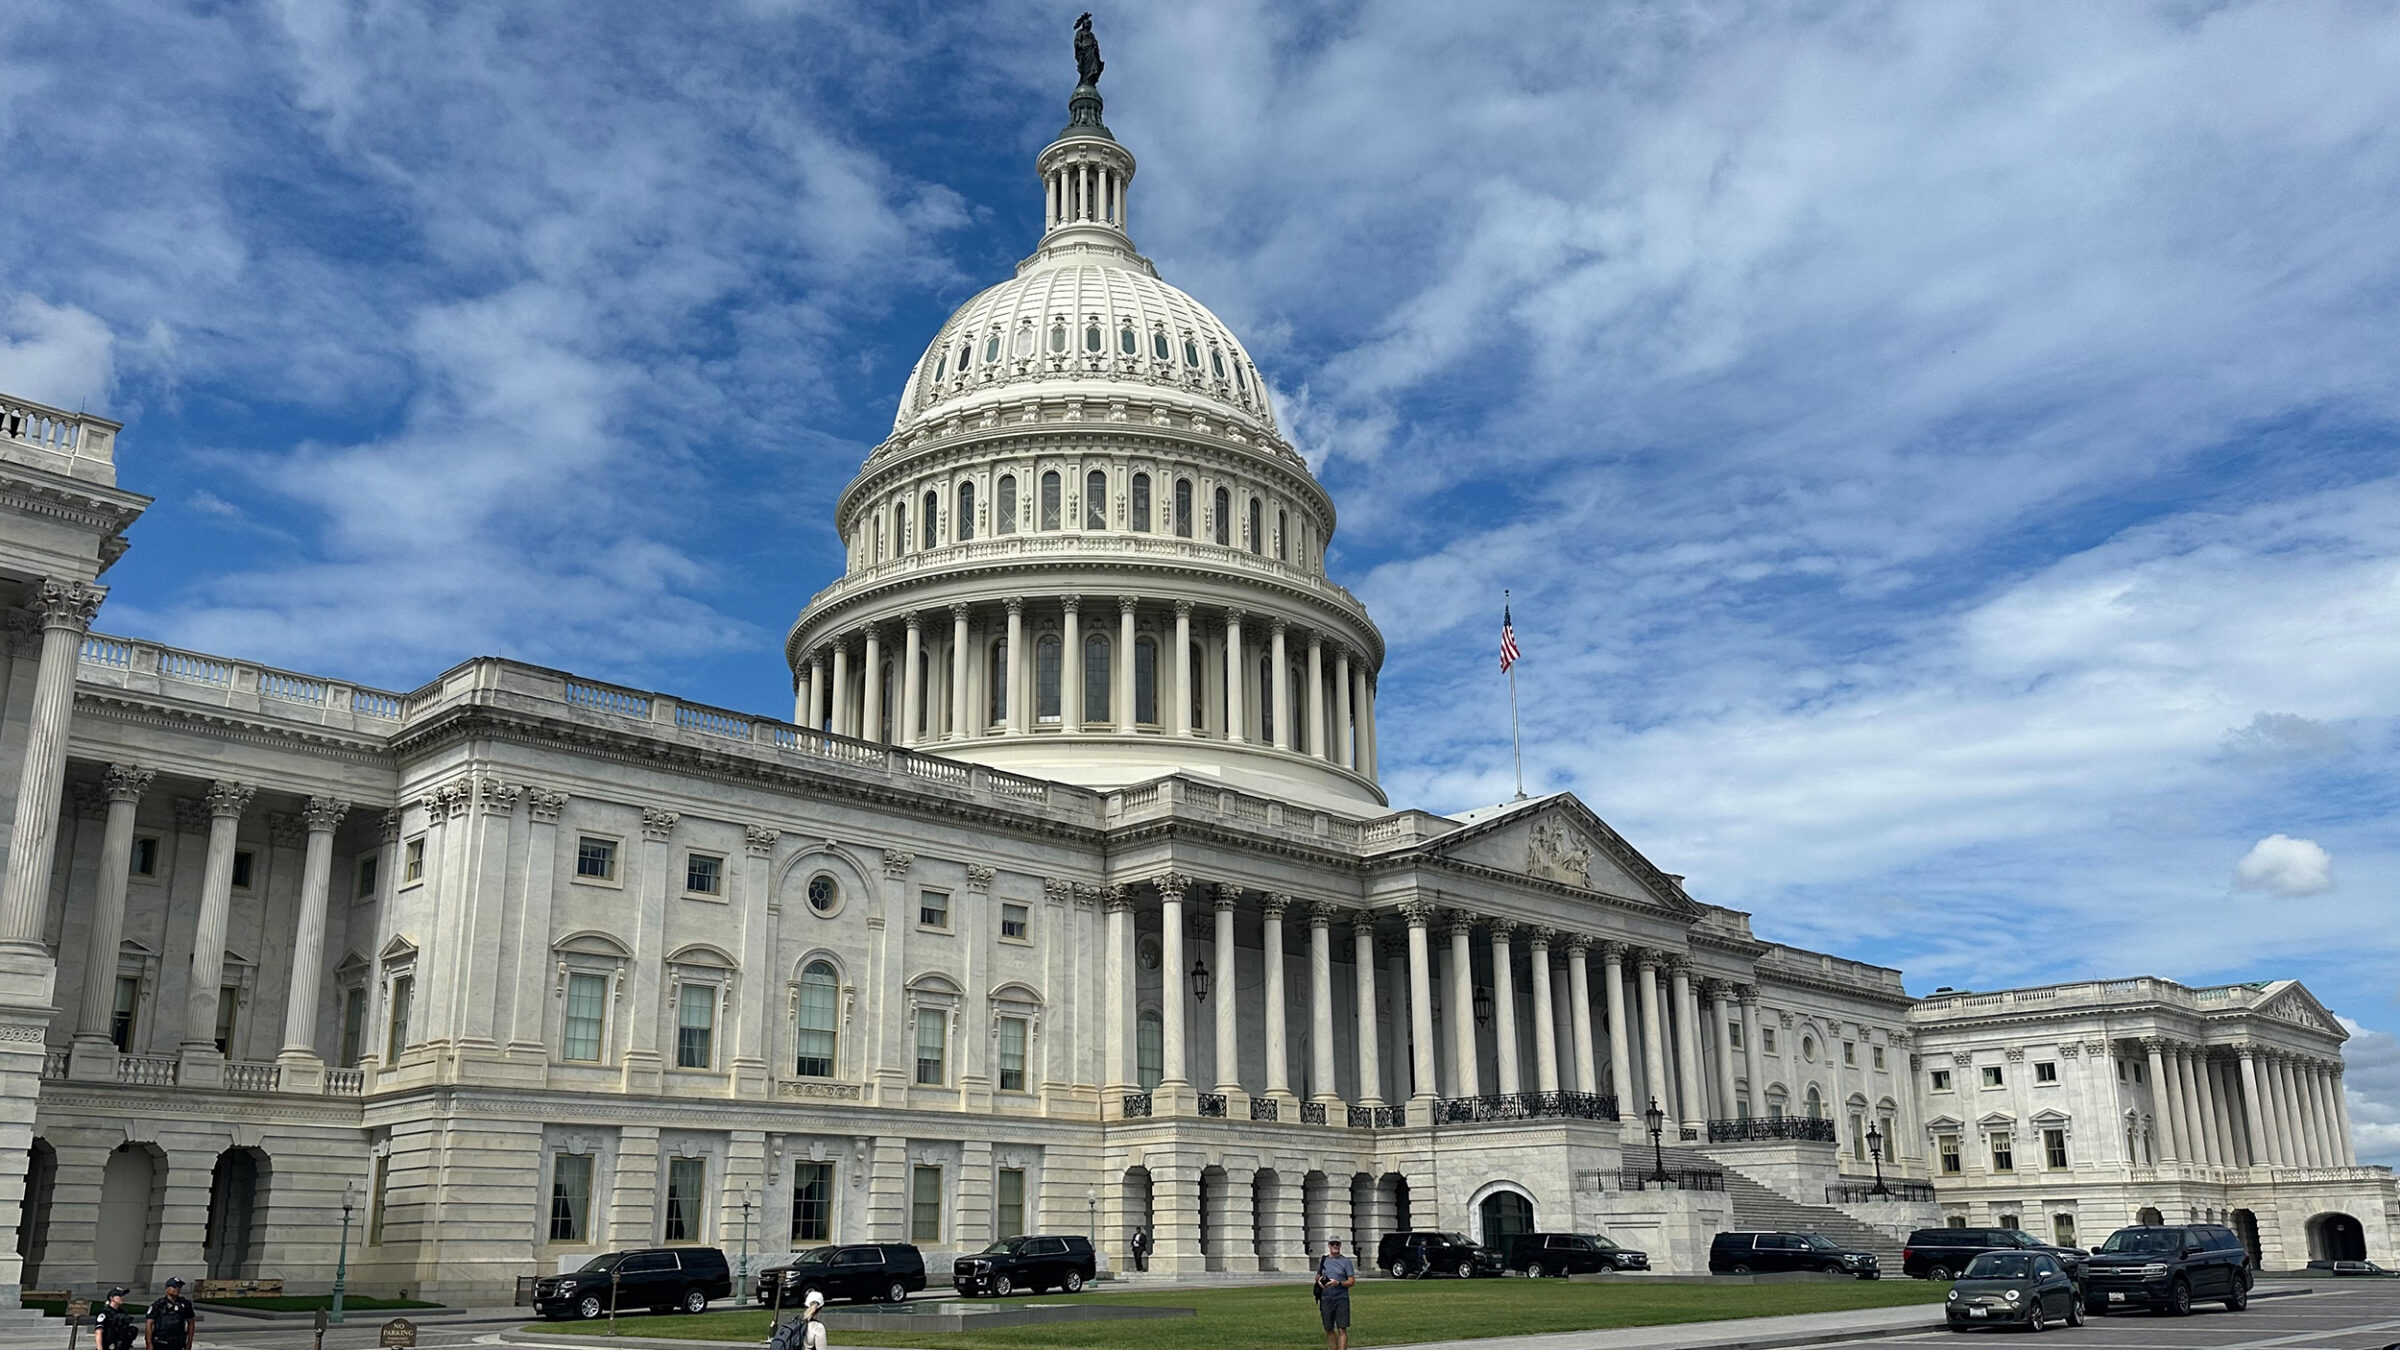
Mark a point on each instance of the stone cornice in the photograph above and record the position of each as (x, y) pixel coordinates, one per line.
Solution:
(231, 724)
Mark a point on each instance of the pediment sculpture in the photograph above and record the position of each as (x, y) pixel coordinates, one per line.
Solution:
(1557, 851)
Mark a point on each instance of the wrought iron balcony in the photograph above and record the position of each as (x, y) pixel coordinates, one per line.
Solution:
(1312, 1113)
(1263, 1108)
(1524, 1106)
(1770, 1127)
(1136, 1106)
(1863, 1192)
(1378, 1117)
(1212, 1106)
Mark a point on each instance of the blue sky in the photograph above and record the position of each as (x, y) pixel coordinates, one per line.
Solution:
(1944, 456)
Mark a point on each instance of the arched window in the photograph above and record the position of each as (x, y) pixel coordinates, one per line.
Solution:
(1004, 505)
(1141, 503)
(1158, 345)
(1050, 500)
(1045, 677)
(1283, 526)
(820, 993)
(996, 681)
(899, 528)
(931, 526)
(1266, 699)
(1145, 681)
(1150, 1050)
(1095, 500)
(1224, 514)
(1095, 678)
(963, 529)
(1257, 544)
(890, 707)
(1816, 1103)
(1196, 694)
(1183, 508)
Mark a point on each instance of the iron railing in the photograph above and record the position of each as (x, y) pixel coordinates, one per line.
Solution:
(1378, 1117)
(1676, 1178)
(1263, 1108)
(1524, 1106)
(1136, 1106)
(1312, 1113)
(1863, 1192)
(1770, 1127)
(1212, 1106)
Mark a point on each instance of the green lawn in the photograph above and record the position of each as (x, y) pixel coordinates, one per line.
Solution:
(1382, 1313)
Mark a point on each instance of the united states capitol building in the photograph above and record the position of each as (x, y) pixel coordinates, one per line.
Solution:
(1067, 900)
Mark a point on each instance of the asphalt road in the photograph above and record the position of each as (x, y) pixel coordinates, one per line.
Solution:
(2340, 1315)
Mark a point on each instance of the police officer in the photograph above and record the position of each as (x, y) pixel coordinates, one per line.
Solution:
(172, 1323)
(115, 1326)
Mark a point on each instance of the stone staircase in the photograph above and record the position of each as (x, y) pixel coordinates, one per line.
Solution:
(1757, 1207)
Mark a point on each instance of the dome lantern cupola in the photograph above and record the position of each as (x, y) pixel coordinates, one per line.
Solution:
(1085, 552)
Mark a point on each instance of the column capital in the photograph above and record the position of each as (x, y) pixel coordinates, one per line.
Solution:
(391, 824)
(1321, 912)
(323, 813)
(1126, 604)
(760, 840)
(2245, 1052)
(1228, 895)
(1362, 923)
(1613, 952)
(1058, 890)
(1276, 626)
(1461, 924)
(1234, 614)
(544, 805)
(126, 782)
(2154, 1045)
(1015, 605)
(872, 632)
(1172, 885)
(1073, 604)
(896, 862)
(1717, 991)
(958, 610)
(1316, 639)
(1500, 929)
(1276, 904)
(658, 823)
(1417, 913)
(1116, 899)
(1183, 609)
(1086, 897)
(1748, 994)
(915, 621)
(1539, 938)
(61, 603)
(1647, 960)
(1679, 963)
(225, 798)
(979, 877)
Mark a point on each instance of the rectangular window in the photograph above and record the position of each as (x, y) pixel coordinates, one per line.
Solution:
(2008, 1222)
(1141, 502)
(1947, 1146)
(1941, 1080)
(395, 1036)
(2045, 1071)
(379, 1185)
(128, 1007)
(2004, 1152)
(354, 1026)
(587, 1007)
(229, 1010)
(244, 864)
(703, 874)
(1766, 1039)
(1858, 1136)
(596, 859)
(1149, 1051)
(1850, 1053)
(1015, 921)
(1733, 1034)
(145, 858)
(1991, 1076)
(932, 1034)
(1879, 1057)
(2054, 1149)
(2062, 1230)
(570, 1197)
(368, 868)
(925, 1205)
(933, 908)
(1012, 1054)
(412, 865)
(696, 1026)
(687, 1182)
(1008, 1210)
(812, 1202)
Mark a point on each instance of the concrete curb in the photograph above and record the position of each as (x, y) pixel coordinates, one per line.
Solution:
(349, 1315)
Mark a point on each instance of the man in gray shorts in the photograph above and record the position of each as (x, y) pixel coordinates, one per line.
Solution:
(1335, 1274)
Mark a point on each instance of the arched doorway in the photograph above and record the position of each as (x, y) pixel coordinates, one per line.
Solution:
(1266, 1214)
(33, 1217)
(1506, 1217)
(121, 1245)
(233, 1192)
(2245, 1224)
(2336, 1237)
(2148, 1215)
(1136, 1217)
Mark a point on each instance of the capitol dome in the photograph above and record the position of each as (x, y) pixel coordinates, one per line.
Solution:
(1085, 552)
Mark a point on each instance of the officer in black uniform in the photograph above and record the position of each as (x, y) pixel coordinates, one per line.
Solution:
(115, 1327)
(172, 1322)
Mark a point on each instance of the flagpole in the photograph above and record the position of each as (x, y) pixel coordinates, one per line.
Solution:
(1516, 739)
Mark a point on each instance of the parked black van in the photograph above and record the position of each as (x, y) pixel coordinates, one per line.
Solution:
(1032, 1264)
(1768, 1253)
(1539, 1254)
(863, 1271)
(660, 1279)
(2168, 1267)
(1428, 1251)
(1941, 1253)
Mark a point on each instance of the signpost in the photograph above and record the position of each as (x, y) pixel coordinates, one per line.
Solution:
(77, 1310)
(398, 1334)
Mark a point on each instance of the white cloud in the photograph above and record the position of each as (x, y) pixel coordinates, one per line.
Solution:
(56, 354)
(2282, 865)
(2371, 1083)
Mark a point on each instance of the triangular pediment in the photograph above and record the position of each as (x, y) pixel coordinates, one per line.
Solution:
(2290, 1001)
(1557, 838)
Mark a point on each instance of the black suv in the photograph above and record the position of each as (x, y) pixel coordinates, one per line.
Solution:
(1539, 1254)
(1424, 1251)
(865, 1271)
(1769, 1253)
(1940, 1253)
(1029, 1263)
(2168, 1267)
(662, 1279)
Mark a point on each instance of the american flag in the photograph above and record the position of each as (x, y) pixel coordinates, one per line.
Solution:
(1508, 641)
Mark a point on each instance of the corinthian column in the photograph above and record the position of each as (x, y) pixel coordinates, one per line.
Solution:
(1320, 1000)
(1279, 697)
(1316, 695)
(2162, 1102)
(2262, 1144)
(1279, 1045)
(95, 1054)
(1720, 996)
(203, 1064)
(1228, 1048)
(912, 683)
(1183, 668)
(302, 1067)
(1750, 1052)
(1070, 669)
(65, 610)
(1417, 914)
(959, 710)
(1235, 729)
(1370, 1066)
(1545, 1014)
(1620, 1043)
(1342, 746)
(841, 687)
(1014, 669)
(1126, 700)
(1504, 1006)
(1654, 1039)
(1687, 1045)
(1462, 1006)
(1170, 1002)
(870, 726)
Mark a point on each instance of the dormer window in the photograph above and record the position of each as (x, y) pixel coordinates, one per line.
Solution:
(1216, 362)
(1022, 346)
(965, 351)
(941, 367)
(1241, 379)
(1191, 353)
(991, 349)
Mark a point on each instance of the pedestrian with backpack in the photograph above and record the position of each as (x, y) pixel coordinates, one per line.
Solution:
(804, 1332)
(1335, 1274)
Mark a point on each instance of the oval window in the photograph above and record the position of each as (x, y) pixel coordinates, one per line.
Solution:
(1158, 346)
(823, 896)
(1058, 337)
(1023, 346)
(1216, 361)
(1092, 341)
(991, 349)
(1191, 353)
(1127, 343)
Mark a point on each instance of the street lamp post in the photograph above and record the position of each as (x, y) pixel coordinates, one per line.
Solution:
(1875, 1147)
(1656, 1119)
(741, 1292)
(341, 1265)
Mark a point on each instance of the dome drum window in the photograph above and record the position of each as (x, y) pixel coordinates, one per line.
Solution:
(1021, 347)
(1058, 339)
(1092, 341)
(1095, 500)
(1050, 512)
(1158, 345)
(1004, 506)
(964, 530)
